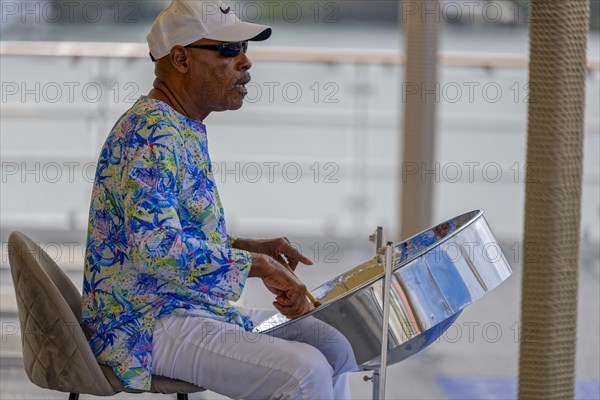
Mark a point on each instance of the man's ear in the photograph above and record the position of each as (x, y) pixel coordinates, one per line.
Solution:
(180, 58)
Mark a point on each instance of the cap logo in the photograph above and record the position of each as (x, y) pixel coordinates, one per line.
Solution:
(226, 11)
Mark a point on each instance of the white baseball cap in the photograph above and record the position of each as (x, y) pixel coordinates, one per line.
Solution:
(184, 22)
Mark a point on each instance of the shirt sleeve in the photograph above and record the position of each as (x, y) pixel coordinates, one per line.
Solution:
(162, 247)
(231, 240)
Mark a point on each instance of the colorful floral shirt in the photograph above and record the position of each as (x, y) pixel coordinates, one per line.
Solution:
(157, 242)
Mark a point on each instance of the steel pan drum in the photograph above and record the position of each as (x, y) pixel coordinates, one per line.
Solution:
(436, 274)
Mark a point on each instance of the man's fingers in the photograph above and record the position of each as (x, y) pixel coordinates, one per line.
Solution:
(294, 257)
(283, 300)
(291, 255)
(292, 312)
(284, 310)
(304, 260)
(290, 293)
(292, 304)
(279, 308)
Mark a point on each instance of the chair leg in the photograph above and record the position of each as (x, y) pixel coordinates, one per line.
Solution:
(182, 396)
(73, 396)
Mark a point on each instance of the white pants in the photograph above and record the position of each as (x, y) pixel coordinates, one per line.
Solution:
(308, 361)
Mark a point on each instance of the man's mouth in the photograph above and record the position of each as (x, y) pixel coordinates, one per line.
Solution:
(241, 89)
(241, 83)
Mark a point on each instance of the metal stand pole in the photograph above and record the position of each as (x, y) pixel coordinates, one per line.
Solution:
(376, 382)
(379, 374)
(386, 318)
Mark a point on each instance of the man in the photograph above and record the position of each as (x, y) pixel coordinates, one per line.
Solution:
(161, 268)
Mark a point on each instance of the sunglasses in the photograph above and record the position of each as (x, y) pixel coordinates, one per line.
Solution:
(228, 49)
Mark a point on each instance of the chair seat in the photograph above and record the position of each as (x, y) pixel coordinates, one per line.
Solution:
(160, 384)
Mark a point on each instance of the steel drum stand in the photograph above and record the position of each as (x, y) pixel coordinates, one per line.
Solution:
(379, 374)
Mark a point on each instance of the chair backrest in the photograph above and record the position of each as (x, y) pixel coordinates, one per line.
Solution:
(56, 354)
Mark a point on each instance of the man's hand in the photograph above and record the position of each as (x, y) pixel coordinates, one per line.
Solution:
(290, 293)
(273, 248)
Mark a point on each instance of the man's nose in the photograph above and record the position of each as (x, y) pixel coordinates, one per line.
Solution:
(244, 62)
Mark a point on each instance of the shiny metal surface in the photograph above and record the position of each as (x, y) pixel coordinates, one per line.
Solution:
(436, 274)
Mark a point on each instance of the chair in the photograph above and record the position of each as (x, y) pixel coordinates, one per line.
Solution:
(56, 353)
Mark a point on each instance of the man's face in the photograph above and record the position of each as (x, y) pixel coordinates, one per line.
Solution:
(217, 83)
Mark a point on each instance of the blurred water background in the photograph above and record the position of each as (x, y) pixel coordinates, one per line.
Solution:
(312, 155)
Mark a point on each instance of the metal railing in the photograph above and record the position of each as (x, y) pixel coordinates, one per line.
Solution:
(276, 54)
